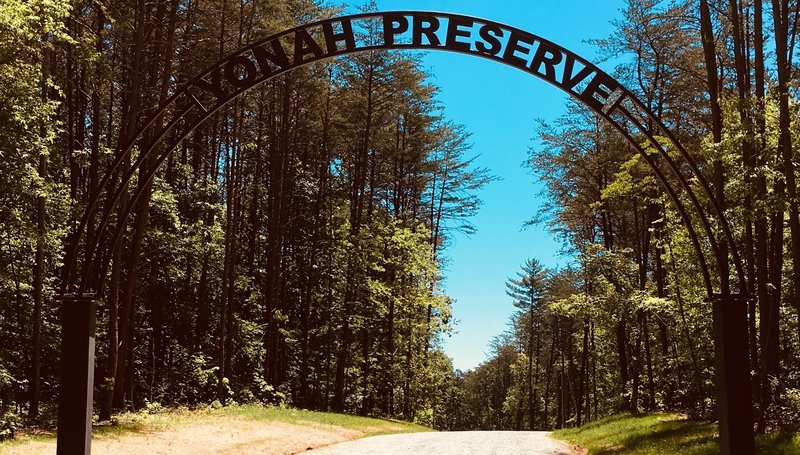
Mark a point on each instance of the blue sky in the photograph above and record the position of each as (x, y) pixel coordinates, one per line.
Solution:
(499, 106)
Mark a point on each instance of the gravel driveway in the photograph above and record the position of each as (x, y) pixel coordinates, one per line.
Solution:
(453, 443)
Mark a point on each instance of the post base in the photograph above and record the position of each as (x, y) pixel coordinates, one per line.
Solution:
(734, 392)
(77, 374)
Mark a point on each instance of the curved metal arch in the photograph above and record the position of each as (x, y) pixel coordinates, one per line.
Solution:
(263, 60)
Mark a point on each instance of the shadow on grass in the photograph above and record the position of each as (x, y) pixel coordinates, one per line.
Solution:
(650, 434)
(120, 428)
(685, 437)
(645, 434)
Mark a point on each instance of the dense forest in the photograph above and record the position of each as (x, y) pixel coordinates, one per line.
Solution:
(290, 251)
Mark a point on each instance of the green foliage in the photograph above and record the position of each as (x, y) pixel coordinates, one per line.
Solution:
(203, 380)
(9, 422)
(424, 417)
(527, 288)
(784, 415)
(30, 32)
(152, 407)
(267, 395)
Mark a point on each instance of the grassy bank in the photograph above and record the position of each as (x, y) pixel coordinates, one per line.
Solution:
(245, 427)
(656, 434)
(367, 426)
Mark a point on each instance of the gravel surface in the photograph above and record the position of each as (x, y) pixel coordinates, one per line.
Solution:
(453, 443)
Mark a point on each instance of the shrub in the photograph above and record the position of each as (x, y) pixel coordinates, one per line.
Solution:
(424, 417)
(9, 422)
(784, 413)
(267, 394)
(152, 408)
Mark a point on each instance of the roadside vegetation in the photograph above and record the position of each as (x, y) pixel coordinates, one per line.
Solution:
(656, 434)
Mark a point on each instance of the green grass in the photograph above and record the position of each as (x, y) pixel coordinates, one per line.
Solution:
(367, 425)
(778, 444)
(656, 434)
(141, 422)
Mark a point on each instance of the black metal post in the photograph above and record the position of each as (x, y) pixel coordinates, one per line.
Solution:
(734, 392)
(77, 375)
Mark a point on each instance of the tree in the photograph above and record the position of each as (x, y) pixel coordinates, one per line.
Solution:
(526, 290)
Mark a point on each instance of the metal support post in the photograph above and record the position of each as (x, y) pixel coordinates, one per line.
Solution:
(734, 393)
(77, 374)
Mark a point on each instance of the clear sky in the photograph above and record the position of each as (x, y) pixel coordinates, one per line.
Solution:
(499, 106)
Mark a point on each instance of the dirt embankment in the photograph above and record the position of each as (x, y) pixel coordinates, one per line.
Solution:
(225, 435)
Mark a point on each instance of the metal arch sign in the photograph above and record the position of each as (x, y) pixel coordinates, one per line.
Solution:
(407, 30)
(194, 102)
(253, 64)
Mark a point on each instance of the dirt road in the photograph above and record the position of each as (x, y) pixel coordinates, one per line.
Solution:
(453, 443)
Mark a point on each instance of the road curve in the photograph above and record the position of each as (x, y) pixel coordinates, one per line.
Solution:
(452, 443)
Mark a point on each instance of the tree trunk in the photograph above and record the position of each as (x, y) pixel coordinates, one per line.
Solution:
(275, 209)
(584, 372)
(39, 265)
(622, 356)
